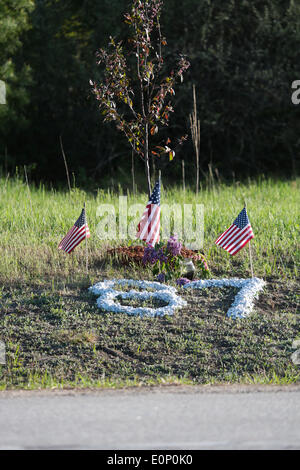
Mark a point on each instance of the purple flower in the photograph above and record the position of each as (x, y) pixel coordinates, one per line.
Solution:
(161, 277)
(182, 281)
(161, 256)
(174, 246)
(150, 255)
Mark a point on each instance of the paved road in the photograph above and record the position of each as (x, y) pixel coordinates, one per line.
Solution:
(159, 418)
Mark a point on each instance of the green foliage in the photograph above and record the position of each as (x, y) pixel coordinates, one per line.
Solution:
(55, 335)
(244, 56)
(147, 98)
(28, 250)
(14, 21)
(167, 261)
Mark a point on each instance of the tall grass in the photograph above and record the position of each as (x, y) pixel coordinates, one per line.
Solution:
(30, 235)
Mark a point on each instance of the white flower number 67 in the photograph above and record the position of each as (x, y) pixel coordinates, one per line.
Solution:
(107, 300)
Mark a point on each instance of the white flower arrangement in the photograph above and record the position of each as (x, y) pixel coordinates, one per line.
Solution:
(243, 302)
(241, 307)
(107, 297)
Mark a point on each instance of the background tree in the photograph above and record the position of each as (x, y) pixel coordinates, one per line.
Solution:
(146, 99)
(244, 56)
(14, 20)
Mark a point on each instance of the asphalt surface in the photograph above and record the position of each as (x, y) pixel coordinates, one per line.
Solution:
(152, 418)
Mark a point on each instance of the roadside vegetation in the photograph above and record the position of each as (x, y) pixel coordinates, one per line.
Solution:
(55, 336)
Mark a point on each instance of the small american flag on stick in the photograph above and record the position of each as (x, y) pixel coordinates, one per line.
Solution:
(76, 234)
(149, 226)
(237, 235)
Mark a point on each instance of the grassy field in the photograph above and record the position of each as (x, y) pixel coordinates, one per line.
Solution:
(55, 336)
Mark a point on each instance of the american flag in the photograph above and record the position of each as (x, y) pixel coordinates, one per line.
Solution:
(76, 234)
(237, 235)
(149, 226)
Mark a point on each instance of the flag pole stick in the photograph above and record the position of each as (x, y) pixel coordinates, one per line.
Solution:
(250, 256)
(28, 190)
(66, 165)
(86, 249)
(250, 253)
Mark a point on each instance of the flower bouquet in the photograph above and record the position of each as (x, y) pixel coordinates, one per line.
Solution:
(168, 262)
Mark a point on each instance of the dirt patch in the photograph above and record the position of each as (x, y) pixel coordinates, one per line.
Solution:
(60, 338)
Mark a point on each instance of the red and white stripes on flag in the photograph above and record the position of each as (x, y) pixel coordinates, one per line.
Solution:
(237, 235)
(76, 234)
(149, 226)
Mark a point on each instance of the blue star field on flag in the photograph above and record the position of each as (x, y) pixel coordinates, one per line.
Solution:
(155, 196)
(242, 219)
(76, 234)
(237, 235)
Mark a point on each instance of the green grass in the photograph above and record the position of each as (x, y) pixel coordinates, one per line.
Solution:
(29, 238)
(55, 336)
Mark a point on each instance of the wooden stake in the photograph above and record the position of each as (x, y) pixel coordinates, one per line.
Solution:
(29, 194)
(66, 165)
(195, 131)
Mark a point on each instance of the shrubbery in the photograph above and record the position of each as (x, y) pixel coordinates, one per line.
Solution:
(244, 56)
